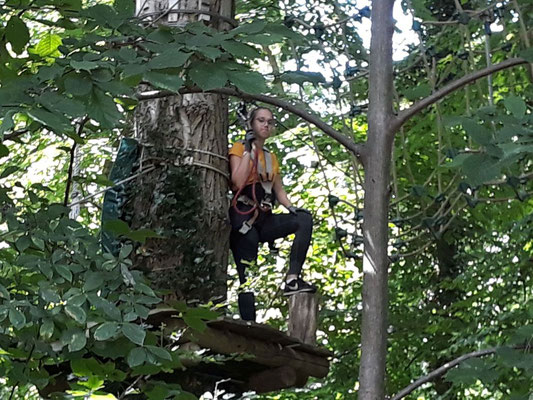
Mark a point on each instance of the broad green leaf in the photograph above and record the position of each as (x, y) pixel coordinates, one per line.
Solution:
(4, 151)
(93, 280)
(202, 313)
(83, 65)
(106, 331)
(117, 227)
(477, 132)
(77, 299)
(76, 313)
(6, 125)
(421, 90)
(127, 54)
(77, 340)
(64, 271)
(23, 243)
(207, 77)
(170, 59)
(50, 296)
(4, 294)
(195, 323)
(17, 34)
(47, 329)
(250, 28)
(136, 356)
(249, 82)
(240, 50)
(78, 85)
(210, 52)
(300, 77)
(48, 45)
(55, 122)
(103, 109)
(164, 81)
(141, 235)
(126, 275)
(125, 251)
(159, 352)
(17, 318)
(134, 333)
(516, 106)
(480, 168)
(124, 8)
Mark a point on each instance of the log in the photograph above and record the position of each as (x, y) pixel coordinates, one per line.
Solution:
(303, 317)
(275, 379)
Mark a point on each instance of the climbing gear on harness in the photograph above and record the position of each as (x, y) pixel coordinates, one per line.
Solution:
(265, 175)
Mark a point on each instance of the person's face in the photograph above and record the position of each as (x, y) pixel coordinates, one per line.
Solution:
(263, 123)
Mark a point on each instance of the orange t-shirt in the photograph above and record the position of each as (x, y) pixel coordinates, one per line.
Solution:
(238, 148)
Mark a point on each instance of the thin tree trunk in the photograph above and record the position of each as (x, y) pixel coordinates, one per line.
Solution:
(377, 181)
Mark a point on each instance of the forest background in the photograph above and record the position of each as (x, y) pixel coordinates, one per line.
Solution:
(459, 218)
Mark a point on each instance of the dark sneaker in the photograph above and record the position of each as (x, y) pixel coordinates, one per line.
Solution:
(298, 286)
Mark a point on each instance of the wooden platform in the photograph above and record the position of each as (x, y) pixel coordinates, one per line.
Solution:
(267, 359)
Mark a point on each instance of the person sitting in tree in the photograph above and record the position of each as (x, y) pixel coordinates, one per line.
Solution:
(256, 182)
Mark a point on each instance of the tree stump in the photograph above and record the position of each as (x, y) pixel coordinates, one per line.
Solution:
(303, 317)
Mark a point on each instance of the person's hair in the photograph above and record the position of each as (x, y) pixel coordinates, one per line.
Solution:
(253, 113)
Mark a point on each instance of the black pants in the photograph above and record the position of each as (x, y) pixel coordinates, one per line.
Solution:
(267, 228)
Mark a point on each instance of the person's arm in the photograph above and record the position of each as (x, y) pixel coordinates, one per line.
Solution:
(281, 194)
(240, 169)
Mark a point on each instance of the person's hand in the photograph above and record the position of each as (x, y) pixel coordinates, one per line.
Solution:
(294, 210)
(249, 140)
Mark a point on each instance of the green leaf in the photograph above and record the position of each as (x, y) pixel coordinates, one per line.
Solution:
(4, 151)
(78, 85)
(55, 122)
(106, 331)
(300, 77)
(47, 329)
(17, 34)
(207, 77)
(117, 227)
(48, 45)
(527, 54)
(50, 296)
(250, 81)
(421, 90)
(64, 271)
(83, 65)
(210, 52)
(103, 109)
(477, 132)
(159, 352)
(141, 235)
(77, 341)
(134, 333)
(125, 8)
(240, 50)
(93, 280)
(17, 319)
(202, 313)
(23, 243)
(76, 313)
(250, 28)
(170, 59)
(136, 356)
(195, 323)
(480, 168)
(126, 275)
(516, 106)
(4, 294)
(164, 81)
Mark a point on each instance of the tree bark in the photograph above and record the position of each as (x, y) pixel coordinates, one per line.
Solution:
(185, 198)
(377, 178)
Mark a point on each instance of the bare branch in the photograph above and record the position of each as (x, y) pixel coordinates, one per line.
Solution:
(440, 371)
(356, 148)
(406, 114)
(15, 134)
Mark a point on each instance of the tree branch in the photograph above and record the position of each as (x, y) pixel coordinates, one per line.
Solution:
(356, 148)
(440, 371)
(406, 114)
(15, 134)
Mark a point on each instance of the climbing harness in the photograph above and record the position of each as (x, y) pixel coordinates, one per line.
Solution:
(265, 176)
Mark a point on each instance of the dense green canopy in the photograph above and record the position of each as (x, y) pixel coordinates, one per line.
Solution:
(461, 211)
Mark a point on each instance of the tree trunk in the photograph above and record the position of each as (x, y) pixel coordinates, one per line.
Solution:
(377, 178)
(185, 198)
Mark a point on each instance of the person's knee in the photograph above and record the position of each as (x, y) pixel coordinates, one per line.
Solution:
(305, 220)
